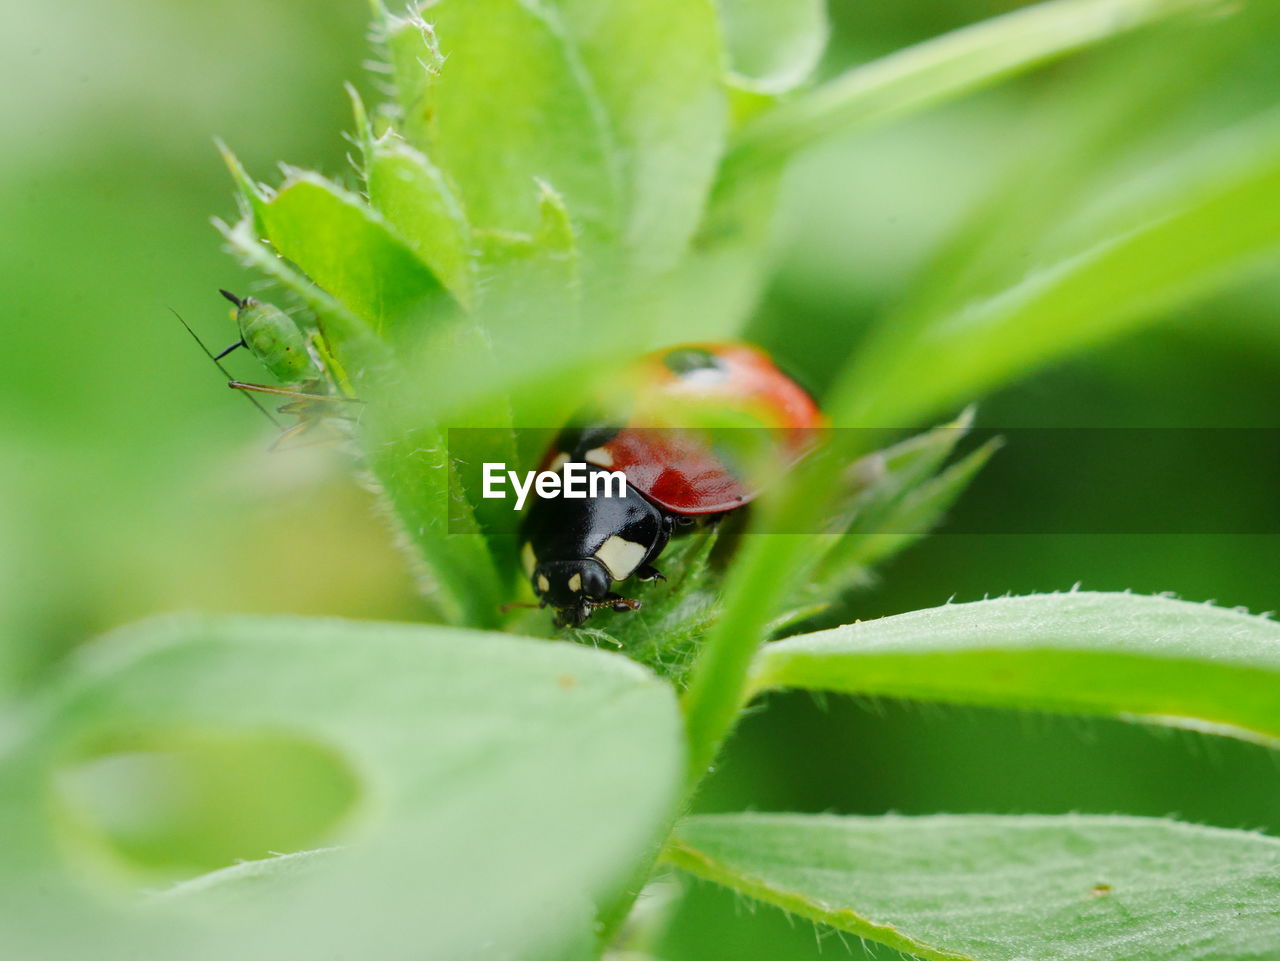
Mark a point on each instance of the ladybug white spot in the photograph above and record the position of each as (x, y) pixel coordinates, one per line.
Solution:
(560, 460)
(544, 585)
(528, 559)
(598, 456)
(575, 583)
(620, 556)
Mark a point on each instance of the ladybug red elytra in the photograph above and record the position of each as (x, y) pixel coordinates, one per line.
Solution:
(573, 550)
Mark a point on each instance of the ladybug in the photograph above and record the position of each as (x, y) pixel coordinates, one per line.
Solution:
(573, 550)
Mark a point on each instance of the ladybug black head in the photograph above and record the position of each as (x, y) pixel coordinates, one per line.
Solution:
(574, 588)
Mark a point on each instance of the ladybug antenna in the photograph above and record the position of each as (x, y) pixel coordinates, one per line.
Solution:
(518, 605)
(218, 363)
(231, 297)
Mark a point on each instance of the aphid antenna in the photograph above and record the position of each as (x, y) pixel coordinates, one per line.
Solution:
(218, 363)
(231, 297)
(236, 346)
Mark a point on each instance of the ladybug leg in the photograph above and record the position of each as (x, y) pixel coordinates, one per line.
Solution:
(647, 572)
(617, 602)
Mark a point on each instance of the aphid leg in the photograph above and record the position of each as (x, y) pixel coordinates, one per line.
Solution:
(322, 354)
(286, 392)
(647, 572)
(308, 411)
(217, 363)
(289, 433)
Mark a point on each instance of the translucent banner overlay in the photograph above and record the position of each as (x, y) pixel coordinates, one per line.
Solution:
(1121, 480)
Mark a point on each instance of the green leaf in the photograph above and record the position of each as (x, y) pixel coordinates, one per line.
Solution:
(1195, 225)
(414, 64)
(1177, 243)
(940, 69)
(676, 613)
(233, 887)
(544, 264)
(1152, 659)
(252, 197)
(555, 234)
(773, 47)
(349, 251)
(655, 65)
(499, 99)
(407, 189)
(410, 461)
(876, 486)
(908, 518)
(906, 465)
(986, 888)
(899, 497)
(502, 782)
(406, 453)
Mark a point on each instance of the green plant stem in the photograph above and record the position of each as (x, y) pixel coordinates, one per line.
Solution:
(763, 572)
(939, 69)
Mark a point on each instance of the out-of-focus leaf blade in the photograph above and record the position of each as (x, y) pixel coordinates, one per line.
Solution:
(1153, 659)
(234, 886)
(503, 99)
(500, 778)
(407, 189)
(773, 47)
(350, 252)
(1185, 245)
(940, 69)
(410, 461)
(414, 64)
(1177, 243)
(989, 888)
(656, 67)
(909, 518)
(406, 452)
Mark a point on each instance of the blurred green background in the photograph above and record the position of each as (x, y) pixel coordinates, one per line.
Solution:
(133, 482)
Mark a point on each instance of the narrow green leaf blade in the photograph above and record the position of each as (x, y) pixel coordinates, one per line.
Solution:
(1198, 224)
(940, 69)
(1151, 658)
(988, 888)
(910, 518)
(503, 782)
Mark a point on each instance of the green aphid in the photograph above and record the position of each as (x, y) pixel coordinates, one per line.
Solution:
(309, 375)
(275, 339)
